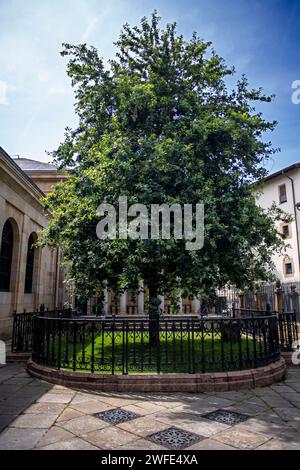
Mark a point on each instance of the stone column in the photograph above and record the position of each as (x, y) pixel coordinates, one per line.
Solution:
(38, 281)
(180, 302)
(123, 303)
(196, 305)
(141, 298)
(162, 303)
(20, 266)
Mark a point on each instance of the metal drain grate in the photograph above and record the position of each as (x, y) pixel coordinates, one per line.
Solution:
(174, 438)
(226, 417)
(116, 416)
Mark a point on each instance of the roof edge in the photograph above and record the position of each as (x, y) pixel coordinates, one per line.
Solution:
(36, 190)
(294, 166)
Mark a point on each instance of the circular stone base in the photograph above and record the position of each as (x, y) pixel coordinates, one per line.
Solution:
(208, 382)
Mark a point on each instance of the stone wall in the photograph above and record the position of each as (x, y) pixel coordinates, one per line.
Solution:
(20, 202)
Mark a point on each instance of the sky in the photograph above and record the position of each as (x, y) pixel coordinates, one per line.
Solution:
(260, 38)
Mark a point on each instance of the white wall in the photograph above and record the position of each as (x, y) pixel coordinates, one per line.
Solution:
(265, 200)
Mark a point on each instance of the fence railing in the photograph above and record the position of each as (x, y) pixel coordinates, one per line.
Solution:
(22, 327)
(154, 346)
(288, 330)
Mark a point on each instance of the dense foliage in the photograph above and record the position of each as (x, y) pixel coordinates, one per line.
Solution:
(159, 125)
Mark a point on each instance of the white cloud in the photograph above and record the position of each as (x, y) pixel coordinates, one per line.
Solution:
(3, 92)
(43, 76)
(57, 90)
(89, 29)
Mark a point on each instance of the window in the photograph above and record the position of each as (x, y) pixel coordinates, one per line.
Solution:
(282, 194)
(7, 243)
(288, 268)
(285, 231)
(29, 265)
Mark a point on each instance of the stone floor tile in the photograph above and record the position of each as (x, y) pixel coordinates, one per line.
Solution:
(110, 437)
(83, 397)
(7, 390)
(68, 414)
(260, 426)
(151, 406)
(193, 423)
(91, 406)
(55, 398)
(55, 434)
(199, 408)
(45, 408)
(14, 406)
(218, 402)
(143, 426)
(289, 435)
(210, 444)
(275, 444)
(288, 414)
(138, 410)
(20, 439)
(116, 402)
(250, 409)
(140, 444)
(83, 424)
(18, 381)
(5, 420)
(241, 439)
(74, 443)
(34, 421)
(281, 389)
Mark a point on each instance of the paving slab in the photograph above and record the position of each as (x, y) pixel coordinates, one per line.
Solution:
(83, 425)
(109, 438)
(210, 444)
(38, 415)
(20, 439)
(193, 423)
(241, 439)
(55, 434)
(34, 421)
(68, 414)
(74, 443)
(143, 426)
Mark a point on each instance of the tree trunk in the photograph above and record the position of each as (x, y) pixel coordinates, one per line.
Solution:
(153, 316)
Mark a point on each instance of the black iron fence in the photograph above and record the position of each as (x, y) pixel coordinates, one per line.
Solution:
(22, 327)
(287, 325)
(288, 330)
(155, 346)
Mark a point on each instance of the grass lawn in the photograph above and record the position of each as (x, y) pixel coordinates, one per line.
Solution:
(134, 354)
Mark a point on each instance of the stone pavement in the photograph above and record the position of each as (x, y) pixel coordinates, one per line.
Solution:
(38, 415)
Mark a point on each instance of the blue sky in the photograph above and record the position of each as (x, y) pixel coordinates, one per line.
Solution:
(261, 38)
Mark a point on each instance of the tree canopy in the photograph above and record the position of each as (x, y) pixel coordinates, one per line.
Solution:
(158, 124)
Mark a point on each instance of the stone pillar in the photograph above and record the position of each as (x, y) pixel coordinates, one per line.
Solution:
(123, 303)
(141, 298)
(38, 281)
(20, 267)
(196, 305)
(180, 302)
(162, 303)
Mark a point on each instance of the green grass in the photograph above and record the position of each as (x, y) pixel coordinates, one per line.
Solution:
(176, 353)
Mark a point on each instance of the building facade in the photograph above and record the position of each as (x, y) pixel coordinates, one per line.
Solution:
(283, 188)
(29, 276)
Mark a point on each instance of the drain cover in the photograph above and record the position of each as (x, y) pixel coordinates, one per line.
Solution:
(175, 438)
(226, 417)
(116, 416)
